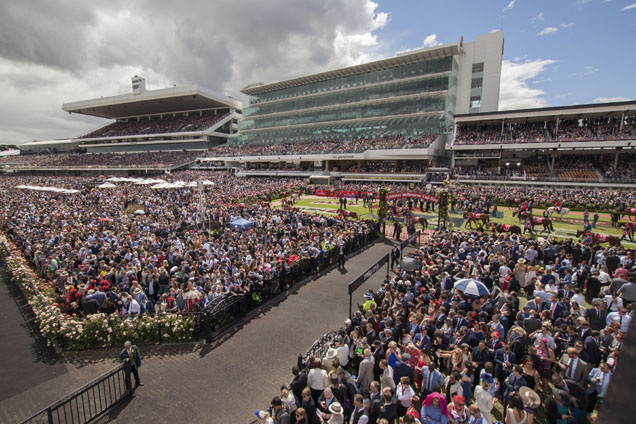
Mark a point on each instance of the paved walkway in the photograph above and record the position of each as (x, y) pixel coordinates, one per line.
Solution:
(223, 382)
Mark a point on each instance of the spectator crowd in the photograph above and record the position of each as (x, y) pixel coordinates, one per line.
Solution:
(135, 250)
(589, 129)
(324, 146)
(110, 160)
(170, 123)
(540, 342)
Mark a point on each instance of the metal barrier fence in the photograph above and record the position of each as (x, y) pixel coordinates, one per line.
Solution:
(357, 282)
(409, 240)
(319, 348)
(88, 402)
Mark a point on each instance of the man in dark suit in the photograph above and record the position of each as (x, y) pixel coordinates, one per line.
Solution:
(532, 323)
(376, 402)
(504, 361)
(146, 306)
(298, 382)
(593, 348)
(460, 321)
(596, 316)
(395, 255)
(403, 370)
(514, 382)
(388, 410)
(556, 309)
(480, 356)
(518, 342)
(565, 292)
(131, 359)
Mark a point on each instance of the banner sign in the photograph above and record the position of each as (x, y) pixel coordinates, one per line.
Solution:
(390, 196)
(353, 285)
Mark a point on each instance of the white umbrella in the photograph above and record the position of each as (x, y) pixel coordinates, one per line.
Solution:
(471, 287)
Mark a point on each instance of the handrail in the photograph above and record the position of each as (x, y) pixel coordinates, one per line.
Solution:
(89, 401)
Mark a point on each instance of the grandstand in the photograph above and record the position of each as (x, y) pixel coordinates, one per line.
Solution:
(557, 146)
(390, 115)
(177, 118)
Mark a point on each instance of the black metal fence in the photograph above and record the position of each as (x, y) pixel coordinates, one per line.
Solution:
(88, 402)
(319, 348)
(358, 281)
(223, 312)
(411, 239)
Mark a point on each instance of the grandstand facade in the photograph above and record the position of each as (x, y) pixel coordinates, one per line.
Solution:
(177, 118)
(413, 95)
(590, 144)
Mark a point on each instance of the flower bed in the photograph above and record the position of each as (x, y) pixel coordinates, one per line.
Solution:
(71, 331)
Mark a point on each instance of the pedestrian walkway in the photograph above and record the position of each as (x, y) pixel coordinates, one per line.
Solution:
(226, 381)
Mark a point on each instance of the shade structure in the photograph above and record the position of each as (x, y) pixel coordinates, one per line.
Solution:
(471, 287)
(241, 224)
(410, 264)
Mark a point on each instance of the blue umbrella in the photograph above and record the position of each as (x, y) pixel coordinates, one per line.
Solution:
(472, 287)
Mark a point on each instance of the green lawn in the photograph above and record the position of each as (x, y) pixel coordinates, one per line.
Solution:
(563, 230)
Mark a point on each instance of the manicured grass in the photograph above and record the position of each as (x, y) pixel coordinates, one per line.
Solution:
(326, 205)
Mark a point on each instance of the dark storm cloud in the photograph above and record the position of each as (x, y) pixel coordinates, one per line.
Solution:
(222, 44)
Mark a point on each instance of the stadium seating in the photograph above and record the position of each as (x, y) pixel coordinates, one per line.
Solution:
(110, 160)
(325, 146)
(597, 129)
(158, 125)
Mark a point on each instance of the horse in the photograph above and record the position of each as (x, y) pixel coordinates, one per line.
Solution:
(347, 214)
(474, 217)
(600, 238)
(423, 222)
(546, 222)
(561, 212)
(507, 228)
(629, 213)
(521, 215)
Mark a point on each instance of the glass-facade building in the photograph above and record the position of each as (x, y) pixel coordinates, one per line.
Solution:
(410, 95)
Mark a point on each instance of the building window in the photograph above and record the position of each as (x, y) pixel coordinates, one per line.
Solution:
(476, 83)
(475, 102)
(478, 67)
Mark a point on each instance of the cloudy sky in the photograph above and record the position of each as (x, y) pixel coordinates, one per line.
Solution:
(56, 51)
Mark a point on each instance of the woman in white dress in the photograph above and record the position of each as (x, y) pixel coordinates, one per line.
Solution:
(516, 413)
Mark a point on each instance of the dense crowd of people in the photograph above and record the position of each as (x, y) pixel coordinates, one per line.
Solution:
(178, 122)
(566, 168)
(591, 129)
(109, 160)
(94, 250)
(512, 196)
(324, 146)
(540, 341)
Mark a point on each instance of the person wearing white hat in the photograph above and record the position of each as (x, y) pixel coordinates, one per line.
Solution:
(531, 401)
(336, 414)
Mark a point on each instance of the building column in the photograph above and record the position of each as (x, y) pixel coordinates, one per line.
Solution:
(616, 159)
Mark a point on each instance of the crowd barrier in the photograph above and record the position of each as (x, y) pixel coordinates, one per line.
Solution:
(88, 402)
(358, 281)
(411, 239)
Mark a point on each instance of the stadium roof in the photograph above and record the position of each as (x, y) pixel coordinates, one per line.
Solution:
(616, 108)
(152, 102)
(419, 55)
